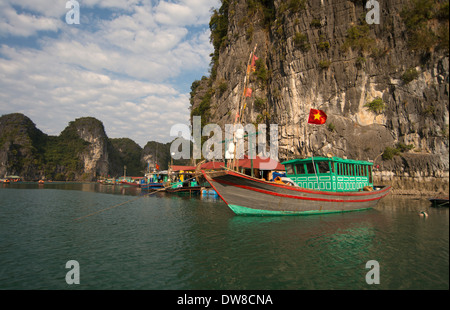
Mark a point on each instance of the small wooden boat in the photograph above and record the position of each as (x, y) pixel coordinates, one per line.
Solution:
(152, 186)
(188, 186)
(187, 189)
(439, 202)
(323, 185)
(154, 180)
(129, 183)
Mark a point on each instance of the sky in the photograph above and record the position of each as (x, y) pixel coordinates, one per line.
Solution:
(128, 63)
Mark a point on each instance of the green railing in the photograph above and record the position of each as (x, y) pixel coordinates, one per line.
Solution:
(330, 174)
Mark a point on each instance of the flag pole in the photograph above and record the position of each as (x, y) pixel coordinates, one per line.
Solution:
(319, 119)
(315, 172)
(240, 109)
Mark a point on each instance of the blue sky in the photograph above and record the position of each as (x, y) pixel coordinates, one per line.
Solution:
(129, 63)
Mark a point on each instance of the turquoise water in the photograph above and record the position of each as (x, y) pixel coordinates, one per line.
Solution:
(181, 243)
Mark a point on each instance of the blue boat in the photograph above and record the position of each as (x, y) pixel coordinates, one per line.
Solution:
(154, 181)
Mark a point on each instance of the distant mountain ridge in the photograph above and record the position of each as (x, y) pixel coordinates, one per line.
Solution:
(81, 152)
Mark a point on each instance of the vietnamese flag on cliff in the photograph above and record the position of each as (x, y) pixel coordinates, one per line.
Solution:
(253, 66)
(317, 117)
(248, 92)
(254, 59)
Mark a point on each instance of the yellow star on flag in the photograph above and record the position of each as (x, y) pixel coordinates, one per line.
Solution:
(317, 116)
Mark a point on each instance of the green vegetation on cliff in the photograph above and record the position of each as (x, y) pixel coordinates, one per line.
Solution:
(82, 152)
(129, 153)
(420, 18)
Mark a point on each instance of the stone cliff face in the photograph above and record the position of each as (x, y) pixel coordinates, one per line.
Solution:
(82, 152)
(383, 86)
(95, 157)
(20, 145)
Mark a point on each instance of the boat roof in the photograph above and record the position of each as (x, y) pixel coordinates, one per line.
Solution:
(183, 168)
(260, 163)
(335, 159)
(246, 162)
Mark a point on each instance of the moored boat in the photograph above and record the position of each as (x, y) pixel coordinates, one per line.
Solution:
(439, 202)
(131, 181)
(321, 185)
(154, 181)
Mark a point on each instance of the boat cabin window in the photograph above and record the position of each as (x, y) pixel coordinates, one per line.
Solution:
(310, 168)
(290, 169)
(323, 167)
(300, 169)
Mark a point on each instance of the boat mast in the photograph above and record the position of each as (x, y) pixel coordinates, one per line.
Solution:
(241, 107)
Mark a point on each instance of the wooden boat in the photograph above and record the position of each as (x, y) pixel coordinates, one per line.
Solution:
(129, 183)
(154, 181)
(184, 189)
(323, 185)
(152, 186)
(439, 202)
(13, 179)
(190, 186)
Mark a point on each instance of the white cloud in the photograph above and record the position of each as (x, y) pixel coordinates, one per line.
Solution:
(23, 24)
(185, 12)
(124, 70)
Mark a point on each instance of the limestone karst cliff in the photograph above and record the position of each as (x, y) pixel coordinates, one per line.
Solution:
(384, 86)
(81, 152)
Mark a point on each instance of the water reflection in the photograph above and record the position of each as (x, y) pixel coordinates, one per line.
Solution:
(179, 242)
(85, 187)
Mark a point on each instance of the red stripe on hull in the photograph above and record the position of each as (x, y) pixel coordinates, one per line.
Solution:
(302, 189)
(298, 197)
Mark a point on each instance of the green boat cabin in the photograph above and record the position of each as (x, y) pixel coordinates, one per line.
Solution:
(330, 173)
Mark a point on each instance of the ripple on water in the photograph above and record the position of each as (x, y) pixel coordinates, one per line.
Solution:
(178, 243)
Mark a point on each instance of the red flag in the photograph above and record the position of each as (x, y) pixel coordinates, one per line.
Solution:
(248, 92)
(317, 117)
(254, 60)
(253, 66)
(157, 167)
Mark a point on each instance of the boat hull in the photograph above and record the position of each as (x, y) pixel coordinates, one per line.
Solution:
(249, 196)
(152, 186)
(187, 189)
